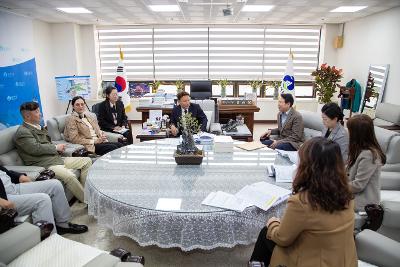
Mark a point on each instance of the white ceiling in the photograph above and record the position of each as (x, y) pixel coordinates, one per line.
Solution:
(128, 12)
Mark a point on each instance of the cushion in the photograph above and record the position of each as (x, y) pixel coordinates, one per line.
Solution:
(57, 251)
(310, 133)
(11, 158)
(390, 195)
(7, 139)
(52, 128)
(209, 115)
(312, 120)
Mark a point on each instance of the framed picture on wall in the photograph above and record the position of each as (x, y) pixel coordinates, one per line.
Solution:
(137, 89)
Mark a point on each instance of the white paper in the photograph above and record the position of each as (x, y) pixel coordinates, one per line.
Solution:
(285, 173)
(169, 204)
(122, 131)
(260, 199)
(226, 201)
(280, 193)
(155, 115)
(293, 156)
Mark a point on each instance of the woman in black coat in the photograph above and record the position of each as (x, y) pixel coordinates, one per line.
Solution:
(111, 115)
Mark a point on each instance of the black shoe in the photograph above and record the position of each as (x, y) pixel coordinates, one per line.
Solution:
(72, 229)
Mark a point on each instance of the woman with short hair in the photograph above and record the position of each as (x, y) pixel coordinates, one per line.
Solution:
(332, 118)
(365, 161)
(317, 226)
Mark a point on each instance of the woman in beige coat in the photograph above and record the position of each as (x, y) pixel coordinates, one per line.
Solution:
(365, 161)
(317, 227)
(82, 128)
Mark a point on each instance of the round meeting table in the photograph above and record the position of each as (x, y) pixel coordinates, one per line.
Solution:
(140, 192)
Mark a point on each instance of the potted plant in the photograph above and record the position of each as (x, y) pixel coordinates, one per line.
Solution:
(223, 83)
(326, 79)
(154, 86)
(275, 85)
(187, 153)
(255, 84)
(180, 86)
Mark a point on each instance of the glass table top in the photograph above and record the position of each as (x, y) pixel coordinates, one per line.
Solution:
(146, 176)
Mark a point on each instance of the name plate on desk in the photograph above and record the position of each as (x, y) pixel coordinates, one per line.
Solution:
(236, 102)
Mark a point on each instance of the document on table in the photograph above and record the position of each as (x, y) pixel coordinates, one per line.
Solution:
(249, 146)
(262, 195)
(260, 199)
(293, 156)
(285, 173)
(122, 131)
(226, 201)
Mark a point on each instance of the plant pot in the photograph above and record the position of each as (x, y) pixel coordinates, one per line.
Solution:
(189, 159)
(223, 92)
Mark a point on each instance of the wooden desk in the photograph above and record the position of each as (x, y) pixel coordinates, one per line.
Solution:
(145, 111)
(227, 112)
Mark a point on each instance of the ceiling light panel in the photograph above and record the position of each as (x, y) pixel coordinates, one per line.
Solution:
(74, 10)
(164, 8)
(348, 8)
(257, 8)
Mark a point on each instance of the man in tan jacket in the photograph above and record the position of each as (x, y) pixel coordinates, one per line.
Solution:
(290, 131)
(35, 148)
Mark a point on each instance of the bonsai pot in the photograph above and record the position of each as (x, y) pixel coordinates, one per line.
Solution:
(189, 159)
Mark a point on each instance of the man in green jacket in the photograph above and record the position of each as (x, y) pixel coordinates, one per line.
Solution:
(35, 148)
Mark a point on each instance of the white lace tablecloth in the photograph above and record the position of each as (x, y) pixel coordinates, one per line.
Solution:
(123, 189)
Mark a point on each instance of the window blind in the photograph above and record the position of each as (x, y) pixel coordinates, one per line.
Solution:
(137, 46)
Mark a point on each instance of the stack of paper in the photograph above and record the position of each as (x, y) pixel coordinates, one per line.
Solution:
(223, 143)
(262, 195)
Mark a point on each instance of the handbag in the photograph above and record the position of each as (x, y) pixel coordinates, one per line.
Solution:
(7, 217)
(81, 152)
(375, 217)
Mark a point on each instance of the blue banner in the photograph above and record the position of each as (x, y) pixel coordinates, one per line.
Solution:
(18, 84)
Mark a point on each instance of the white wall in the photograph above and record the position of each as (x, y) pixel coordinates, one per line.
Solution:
(373, 40)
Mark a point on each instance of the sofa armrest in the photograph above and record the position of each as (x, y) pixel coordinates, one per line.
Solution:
(377, 249)
(17, 240)
(69, 148)
(113, 137)
(31, 171)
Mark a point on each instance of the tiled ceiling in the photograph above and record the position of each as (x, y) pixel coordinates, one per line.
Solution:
(129, 12)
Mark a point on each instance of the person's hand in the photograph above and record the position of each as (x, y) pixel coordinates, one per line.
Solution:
(24, 179)
(5, 204)
(271, 220)
(274, 144)
(174, 130)
(266, 134)
(103, 138)
(60, 147)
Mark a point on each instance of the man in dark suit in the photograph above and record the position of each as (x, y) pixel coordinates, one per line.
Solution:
(184, 107)
(290, 131)
(111, 115)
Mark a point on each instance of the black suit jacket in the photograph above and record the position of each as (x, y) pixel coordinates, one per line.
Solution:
(14, 179)
(106, 119)
(196, 111)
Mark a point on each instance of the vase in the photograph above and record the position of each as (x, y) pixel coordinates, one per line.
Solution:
(276, 92)
(223, 92)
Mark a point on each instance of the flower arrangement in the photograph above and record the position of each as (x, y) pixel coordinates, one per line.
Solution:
(180, 86)
(326, 79)
(223, 83)
(154, 86)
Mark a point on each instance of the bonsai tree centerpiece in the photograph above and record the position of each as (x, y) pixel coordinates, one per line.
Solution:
(326, 79)
(223, 83)
(187, 153)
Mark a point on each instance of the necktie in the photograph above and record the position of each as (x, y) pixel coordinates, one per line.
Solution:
(185, 111)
